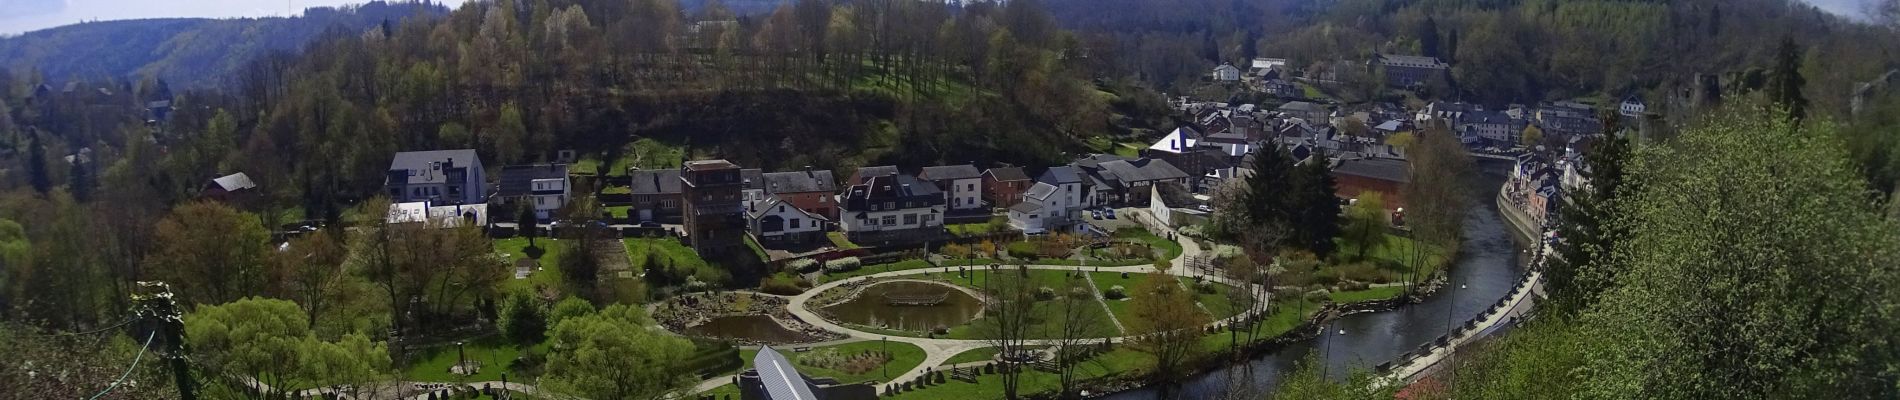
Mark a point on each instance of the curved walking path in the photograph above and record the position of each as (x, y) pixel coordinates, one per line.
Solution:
(939, 350)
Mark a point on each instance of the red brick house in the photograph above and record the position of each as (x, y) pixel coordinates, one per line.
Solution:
(1004, 186)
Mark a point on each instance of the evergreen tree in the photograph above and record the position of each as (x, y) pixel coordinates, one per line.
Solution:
(1428, 38)
(36, 164)
(1785, 83)
(1584, 229)
(1267, 200)
(1317, 208)
(525, 222)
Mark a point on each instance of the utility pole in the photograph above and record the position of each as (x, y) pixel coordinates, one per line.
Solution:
(158, 312)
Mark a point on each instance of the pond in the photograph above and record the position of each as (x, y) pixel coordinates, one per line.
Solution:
(908, 305)
(756, 328)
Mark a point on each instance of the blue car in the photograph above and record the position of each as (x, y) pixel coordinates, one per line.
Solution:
(1110, 213)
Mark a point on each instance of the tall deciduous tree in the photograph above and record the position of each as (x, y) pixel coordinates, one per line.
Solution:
(211, 252)
(1745, 276)
(1435, 197)
(267, 341)
(614, 354)
(1008, 319)
(1079, 319)
(308, 270)
(1366, 223)
(1168, 324)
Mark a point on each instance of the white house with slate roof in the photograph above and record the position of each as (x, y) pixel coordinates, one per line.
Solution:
(961, 184)
(892, 208)
(777, 221)
(438, 177)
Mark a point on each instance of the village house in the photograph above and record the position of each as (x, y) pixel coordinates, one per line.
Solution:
(712, 205)
(962, 184)
(1270, 68)
(1490, 128)
(543, 188)
(1566, 119)
(655, 195)
(1072, 184)
(436, 177)
(1308, 111)
(775, 221)
(1120, 180)
(1172, 205)
(1410, 71)
(892, 208)
(1632, 107)
(1281, 88)
(1005, 185)
(234, 189)
(1226, 73)
(1385, 176)
(809, 189)
(439, 216)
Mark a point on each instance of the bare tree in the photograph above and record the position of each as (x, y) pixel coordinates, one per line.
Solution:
(1080, 319)
(1168, 325)
(1008, 316)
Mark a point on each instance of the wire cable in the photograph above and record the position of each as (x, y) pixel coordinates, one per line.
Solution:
(114, 326)
(128, 370)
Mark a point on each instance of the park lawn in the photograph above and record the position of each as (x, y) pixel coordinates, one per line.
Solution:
(1370, 294)
(619, 211)
(1167, 249)
(1131, 150)
(494, 353)
(514, 248)
(728, 391)
(980, 228)
(904, 357)
(838, 240)
(1121, 361)
(757, 250)
(1397, 249)
(1121, 308)
(586, 165)
(1283, 318)
(647, 153)
(1045, 310)
(1217, 303)
(973, 355)
(876, 269)
(671, 250)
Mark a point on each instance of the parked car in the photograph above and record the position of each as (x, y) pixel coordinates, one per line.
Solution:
(649, 224)
(1110, 213)
(1097, 214)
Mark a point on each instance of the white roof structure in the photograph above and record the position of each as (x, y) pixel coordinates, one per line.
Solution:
(1175, 142)
(781, 381)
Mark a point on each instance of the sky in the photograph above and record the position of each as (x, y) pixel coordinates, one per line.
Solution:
(17, 16)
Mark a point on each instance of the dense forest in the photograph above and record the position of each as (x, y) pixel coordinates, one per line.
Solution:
(187, 52)
(1502, 51)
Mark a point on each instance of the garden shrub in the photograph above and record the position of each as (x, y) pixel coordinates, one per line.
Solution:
(802, 265)
(1045, 293)
(1023, 249)
(843, 264)
(1116, 292)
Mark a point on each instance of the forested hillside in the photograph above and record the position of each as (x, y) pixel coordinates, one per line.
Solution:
(1502, 51)
(186, 52)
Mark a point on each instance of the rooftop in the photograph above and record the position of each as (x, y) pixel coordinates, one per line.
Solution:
(944, 172)
(1007, 174)
(1375, 168)
(710, 165)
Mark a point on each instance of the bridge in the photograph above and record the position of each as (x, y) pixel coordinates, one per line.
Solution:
(915, 299)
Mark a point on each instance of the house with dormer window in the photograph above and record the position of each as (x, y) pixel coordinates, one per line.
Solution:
(892, 209)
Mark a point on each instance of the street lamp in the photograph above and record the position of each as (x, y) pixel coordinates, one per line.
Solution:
(884, 344)
(463, 357)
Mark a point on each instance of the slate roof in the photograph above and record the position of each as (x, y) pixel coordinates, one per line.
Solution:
(419, 161)
(891, 188)
(1411, 61)
(1041, 190)
(1302, 106)
(877, 170)
(753, 178)
(518, 180)
(1143, 170)
(1227, 137)
(708, 165)
(1095, 160)
(800, 182)
(1375, 168)
(655, 181)
(1026, 207)
(764, 207)
(949, 172)
(234, 182)
(1007, 174)
(1060, 175)
(780, 378)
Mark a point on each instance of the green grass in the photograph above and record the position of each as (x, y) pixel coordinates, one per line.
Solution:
(432, 365)
(1370, 294)
(1217, 303)
(1046, 311)
(974, 355)
(1118, 362)
(549, 275)
(876, 269)
(838, 240)
(981, 228)
(1284, 316)
(1165, 249)
(723, 392)
(1396, 249)
(1130, 149)
(586, 165)
(619, 211)
(1121, 308)
(617, 190)
(904, 357)
(671, 250)
(757, 251)
(647, 153)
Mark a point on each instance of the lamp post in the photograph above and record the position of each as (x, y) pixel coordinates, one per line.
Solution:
(884, 344)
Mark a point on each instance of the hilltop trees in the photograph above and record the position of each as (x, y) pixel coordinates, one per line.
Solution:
(1285, 202)
(212, 253)
(612, 354)
(269, 340)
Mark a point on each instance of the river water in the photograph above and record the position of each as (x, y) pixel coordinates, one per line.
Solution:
(1488, 265)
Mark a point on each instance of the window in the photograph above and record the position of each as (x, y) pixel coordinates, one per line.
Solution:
(928, 218)
(890, 220)
(910, 219)
(970, 187)
(890, 205)
(794, 223)
(958, 201)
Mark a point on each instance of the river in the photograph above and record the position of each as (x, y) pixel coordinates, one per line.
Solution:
(1488, 265)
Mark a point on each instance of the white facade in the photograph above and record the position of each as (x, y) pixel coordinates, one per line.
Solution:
(894, 219)
(549, 196)
(1632, 107)
(1026, 217)
(780, 219)
(965, 194)
(1226, 73)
